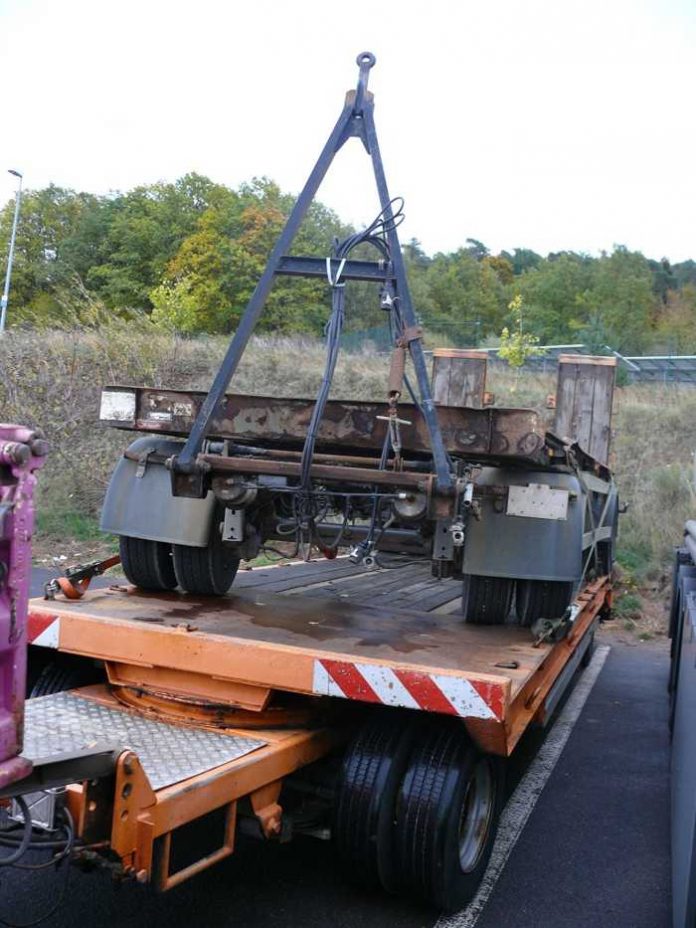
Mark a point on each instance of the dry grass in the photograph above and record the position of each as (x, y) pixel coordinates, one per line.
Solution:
(53, 380)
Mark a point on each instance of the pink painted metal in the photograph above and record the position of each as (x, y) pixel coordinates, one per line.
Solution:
(22, 453)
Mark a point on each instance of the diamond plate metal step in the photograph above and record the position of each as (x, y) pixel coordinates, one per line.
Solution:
(65, 723)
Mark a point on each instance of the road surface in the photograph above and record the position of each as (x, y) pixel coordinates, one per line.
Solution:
(594, 851)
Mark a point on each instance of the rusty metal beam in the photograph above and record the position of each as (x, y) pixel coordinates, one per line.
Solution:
(347, 426)
(328, 472)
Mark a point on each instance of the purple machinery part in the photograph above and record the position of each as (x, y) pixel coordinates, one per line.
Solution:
(22, 453)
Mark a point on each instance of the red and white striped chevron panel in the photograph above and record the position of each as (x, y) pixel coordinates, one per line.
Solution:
(43, 630)
(412, 689)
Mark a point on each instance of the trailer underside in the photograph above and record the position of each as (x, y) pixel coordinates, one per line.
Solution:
(178, 744)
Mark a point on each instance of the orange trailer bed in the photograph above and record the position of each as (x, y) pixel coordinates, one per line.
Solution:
(210, 703)
(325, 629)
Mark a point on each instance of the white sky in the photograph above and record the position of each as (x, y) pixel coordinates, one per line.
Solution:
(548, 124)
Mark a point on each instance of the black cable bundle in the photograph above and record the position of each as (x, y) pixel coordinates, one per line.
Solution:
(304, 503)
(27, 840)
(375, 235)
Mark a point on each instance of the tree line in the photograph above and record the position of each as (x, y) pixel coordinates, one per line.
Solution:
(189, 254)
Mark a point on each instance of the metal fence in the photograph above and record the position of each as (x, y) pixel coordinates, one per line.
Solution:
(663, 368)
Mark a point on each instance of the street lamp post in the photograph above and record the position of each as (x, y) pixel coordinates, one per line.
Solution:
(8, 274)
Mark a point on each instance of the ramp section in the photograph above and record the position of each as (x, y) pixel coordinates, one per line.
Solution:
(65, 723)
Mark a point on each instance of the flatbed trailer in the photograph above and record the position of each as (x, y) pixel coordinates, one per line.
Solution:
(366, 699)
(214, 707)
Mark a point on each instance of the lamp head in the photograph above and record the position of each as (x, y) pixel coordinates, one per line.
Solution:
(16, 173)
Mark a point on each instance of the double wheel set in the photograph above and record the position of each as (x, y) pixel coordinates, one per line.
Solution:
(210, 571)
(417, 808)
(489, 600)
(159, 567)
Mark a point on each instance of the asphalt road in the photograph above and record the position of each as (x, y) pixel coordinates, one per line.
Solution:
(594, 851)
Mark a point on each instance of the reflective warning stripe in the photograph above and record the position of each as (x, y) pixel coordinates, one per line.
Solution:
(43, 630)
(412, 689)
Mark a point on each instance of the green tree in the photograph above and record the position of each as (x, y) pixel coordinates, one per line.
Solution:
(622, 295)
(144, 229)
(208, 283)
(467, 297)
(556, 296)
(48, 217)
(676, 322)
(522, 259)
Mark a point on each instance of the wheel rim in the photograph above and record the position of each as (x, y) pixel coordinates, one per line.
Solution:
(476, 815)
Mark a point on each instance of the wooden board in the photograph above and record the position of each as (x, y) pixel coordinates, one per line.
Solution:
(584, 396)
(459, 377)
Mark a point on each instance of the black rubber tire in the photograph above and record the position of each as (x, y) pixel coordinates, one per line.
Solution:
(431, 809)
(542, 599)
(486, 600)
(369, 777)
(208, 571)
(147, 564)
(589, 652)
(606, 550)
(65, 673)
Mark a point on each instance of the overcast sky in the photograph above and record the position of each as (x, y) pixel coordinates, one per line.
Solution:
(548, 124)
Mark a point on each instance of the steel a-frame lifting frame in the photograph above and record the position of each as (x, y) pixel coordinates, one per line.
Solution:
(356, 119)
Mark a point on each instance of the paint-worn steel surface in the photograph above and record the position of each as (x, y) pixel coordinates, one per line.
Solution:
(268, 422)
(22, 452)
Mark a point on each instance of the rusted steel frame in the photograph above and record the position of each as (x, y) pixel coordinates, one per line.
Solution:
(200, 428)
(280, 454)
(190, 687)
(559, 447)
(208, 713)
(346, 426)
(322, 458)
(529, 701)
(336, 474)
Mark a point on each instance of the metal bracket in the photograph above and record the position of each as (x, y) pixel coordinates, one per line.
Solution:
(356, 119)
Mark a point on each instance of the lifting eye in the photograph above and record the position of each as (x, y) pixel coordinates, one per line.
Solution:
(366, 58)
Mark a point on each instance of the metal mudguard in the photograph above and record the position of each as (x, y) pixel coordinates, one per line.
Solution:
(139, 501)
(502, 545)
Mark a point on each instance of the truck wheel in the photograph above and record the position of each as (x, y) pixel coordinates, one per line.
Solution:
(208, 571)
(542, 599)
(606, 550)
(447, 813)
(368, 781)
(65, 673)
(486, 600)
(586, 659)
(147, 564)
